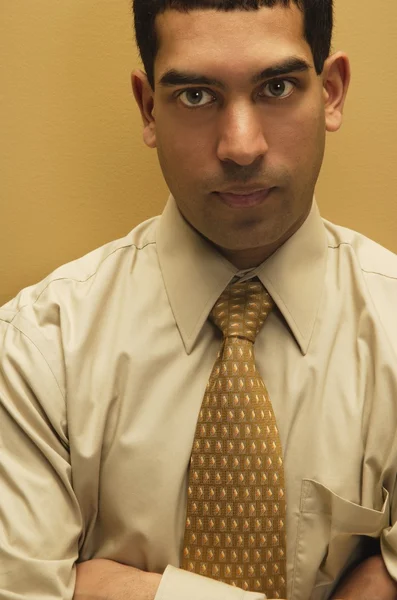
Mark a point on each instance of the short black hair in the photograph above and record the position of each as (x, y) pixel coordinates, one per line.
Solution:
(318, 23)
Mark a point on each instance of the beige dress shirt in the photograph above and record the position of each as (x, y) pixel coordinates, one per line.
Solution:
(103, 367)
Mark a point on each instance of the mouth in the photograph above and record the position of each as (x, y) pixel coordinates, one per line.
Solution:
(244, 200)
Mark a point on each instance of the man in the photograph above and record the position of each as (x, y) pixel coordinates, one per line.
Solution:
(104, 365)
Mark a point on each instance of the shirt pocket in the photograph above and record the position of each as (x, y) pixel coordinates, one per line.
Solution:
(330, 529)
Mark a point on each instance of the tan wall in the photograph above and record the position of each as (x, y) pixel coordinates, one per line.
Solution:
(74, 172)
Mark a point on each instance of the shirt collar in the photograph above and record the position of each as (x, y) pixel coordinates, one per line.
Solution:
(195, 274)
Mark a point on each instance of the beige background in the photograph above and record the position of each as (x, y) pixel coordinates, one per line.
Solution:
(74, 172)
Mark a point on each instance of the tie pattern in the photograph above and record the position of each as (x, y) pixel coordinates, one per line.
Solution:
(235, 525)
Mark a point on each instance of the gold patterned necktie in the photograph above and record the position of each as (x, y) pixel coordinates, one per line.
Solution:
(235, 524)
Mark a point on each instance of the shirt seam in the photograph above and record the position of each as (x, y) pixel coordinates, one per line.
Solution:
(304, 494)
(78, 280)
(380, 274)
(362, 269)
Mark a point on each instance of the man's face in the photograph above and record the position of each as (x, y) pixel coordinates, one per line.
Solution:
(267, 134)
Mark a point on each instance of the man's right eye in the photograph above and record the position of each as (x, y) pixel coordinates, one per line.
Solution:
(195, 97)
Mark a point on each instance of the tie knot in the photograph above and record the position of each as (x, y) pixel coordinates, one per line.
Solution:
(242, 309)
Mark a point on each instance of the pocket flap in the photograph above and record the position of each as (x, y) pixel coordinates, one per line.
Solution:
(345, 516)
(328, 541)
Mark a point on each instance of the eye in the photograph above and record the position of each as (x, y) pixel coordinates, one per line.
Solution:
(195, 97)
(279, 87)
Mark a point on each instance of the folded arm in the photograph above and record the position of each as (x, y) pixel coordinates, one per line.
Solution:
(370, 580)
(104, 579)
(100, 578)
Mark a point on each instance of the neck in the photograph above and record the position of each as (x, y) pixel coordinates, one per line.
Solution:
(248, 259)
(252, 257)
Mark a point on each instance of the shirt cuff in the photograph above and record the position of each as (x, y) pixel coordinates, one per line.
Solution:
(177, 584)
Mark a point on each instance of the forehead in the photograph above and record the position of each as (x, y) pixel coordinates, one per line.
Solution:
(210, 37)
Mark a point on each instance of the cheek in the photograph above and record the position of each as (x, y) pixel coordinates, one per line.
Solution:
(180, 146)
(300, 138)
(181, 135)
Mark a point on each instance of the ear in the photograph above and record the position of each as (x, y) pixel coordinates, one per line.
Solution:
(336, 80)
(144, 97)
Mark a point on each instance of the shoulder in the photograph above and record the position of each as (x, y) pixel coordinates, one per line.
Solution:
(373, 265)
(371, 256)
(96, 267)
(46, 321)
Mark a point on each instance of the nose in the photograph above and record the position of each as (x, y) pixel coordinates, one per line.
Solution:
(241, 136)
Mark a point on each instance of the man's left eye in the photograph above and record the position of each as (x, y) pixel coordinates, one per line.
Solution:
(279, 89)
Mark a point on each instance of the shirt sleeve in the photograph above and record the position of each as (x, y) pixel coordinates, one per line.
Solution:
(40, 522)
(177, 584)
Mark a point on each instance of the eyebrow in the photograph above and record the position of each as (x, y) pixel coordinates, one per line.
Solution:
(292, 64)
